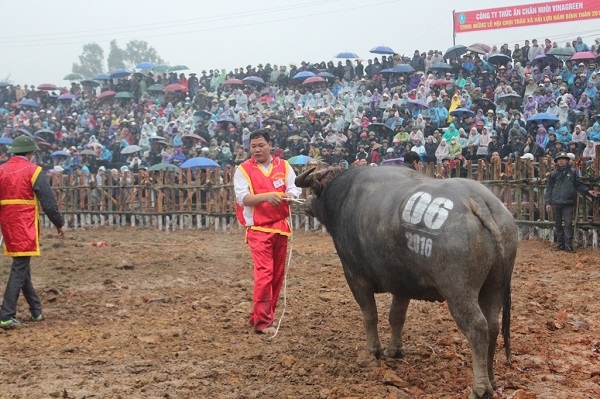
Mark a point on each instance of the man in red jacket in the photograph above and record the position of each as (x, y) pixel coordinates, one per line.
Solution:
(22, 185)
(262, 184)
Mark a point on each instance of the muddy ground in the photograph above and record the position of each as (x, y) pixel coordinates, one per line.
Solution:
(163, 315)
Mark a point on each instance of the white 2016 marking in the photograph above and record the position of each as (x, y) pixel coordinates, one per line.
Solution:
(419, 245)
(421, 207)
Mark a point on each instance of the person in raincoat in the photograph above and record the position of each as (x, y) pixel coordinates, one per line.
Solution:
(450, 133)
(454, 149)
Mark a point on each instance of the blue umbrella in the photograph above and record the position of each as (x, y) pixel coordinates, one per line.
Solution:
(102, 76)
(5, 141)
(303, 75)
(382, 50)
(145, 65)
(455, 51)
(202, 113)
(417, 104)
(227, 120)
(29, 103)
(89, 82)
(299, 160)
(441, 66)
(25, 132)
(67, 96)
(400, 68)
(346, 54)
(542, 117)
(119, 73)
(3, 111)
(199, 162)
(459, 112)
(326, 75)
(57, 154)
(5, 84)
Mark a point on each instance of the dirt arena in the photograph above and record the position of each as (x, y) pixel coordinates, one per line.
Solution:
(163, 315)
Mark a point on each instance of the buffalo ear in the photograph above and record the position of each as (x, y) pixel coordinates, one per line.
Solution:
(305, 179)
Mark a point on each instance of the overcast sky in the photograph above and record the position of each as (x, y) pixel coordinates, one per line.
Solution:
(40, 41)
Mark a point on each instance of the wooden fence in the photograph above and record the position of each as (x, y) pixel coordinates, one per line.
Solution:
(205, 199)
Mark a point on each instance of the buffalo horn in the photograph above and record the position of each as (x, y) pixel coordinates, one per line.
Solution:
(302, 180)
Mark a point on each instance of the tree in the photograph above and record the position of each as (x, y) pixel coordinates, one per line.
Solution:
(91, 60)
(116, 57)
(139, 51)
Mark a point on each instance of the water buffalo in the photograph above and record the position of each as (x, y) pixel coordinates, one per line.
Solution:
(398, 231)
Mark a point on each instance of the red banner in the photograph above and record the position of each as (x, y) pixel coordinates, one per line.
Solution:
(525, 15)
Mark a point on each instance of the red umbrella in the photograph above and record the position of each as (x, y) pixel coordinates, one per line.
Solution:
(234, 82)
(106, 94)
(441, 82)
(47, 86)
(479, 48)
(584, 55)
(175, 87)
(193, 136)
(314, 79)
(42, 143)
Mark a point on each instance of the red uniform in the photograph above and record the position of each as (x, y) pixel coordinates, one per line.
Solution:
(266, 234)
(19, 213)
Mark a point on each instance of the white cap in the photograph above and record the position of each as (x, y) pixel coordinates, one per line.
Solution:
(571, 156)
(528, 156)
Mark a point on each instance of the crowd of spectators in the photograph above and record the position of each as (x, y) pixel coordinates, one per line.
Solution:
(468, 106)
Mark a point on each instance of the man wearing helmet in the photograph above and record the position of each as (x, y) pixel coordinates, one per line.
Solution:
(22, 185)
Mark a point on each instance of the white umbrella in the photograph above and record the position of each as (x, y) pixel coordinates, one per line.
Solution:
(130, 149)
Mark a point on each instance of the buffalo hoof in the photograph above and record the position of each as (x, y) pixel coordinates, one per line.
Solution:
(484, 395)
(394, 352)
(377, 352)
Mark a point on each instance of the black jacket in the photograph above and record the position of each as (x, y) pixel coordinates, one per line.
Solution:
(562, 186)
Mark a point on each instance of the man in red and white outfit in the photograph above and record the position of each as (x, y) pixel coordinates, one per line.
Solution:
(262, 185)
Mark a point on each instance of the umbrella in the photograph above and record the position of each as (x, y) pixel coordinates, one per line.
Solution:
(544, 59)
(499, 59)
(314, 79)
(442, 82)
(417, 104)
(400, 68)
(561, 51)
(42, 143)
(299, 160)
(304, 75)
(5, 84)
(161, 68)
(102, 76)
(106, 94)
(233, 82)
(485, 104)
(382, 50)
(57, 154)
(25, 132)
(346, 54)
(203, 113)
(29, 103)
(145, 65)
(455, 52)
(47, 86)
(542, 117)
(326, 75)
(175, 87)
(123, 94)
(178, 68)
(164, 166)
(5, 141)
(380, 127)
(441, 66)
(88, 152)
(459, 112)
(508, 97)
(67, 96)
(479, 48)
(275, 121)
(226, 120)
(193, 136)
(89, 82)
(130, 149)
(253, 80)
(119, 73)
(73, 76)
(584, 55)
(157, 88)
(200, 162)
(44, 133)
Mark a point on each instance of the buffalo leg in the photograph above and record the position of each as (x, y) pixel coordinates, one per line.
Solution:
(490, 302)
(365, 298)
(473, 324)
(397, 317)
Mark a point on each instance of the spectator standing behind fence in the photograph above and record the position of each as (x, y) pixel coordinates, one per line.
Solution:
(561, 197)
(21, 186)
(261, 185)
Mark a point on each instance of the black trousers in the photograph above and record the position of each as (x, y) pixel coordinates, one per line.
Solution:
(563, 224)
(19, 280)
